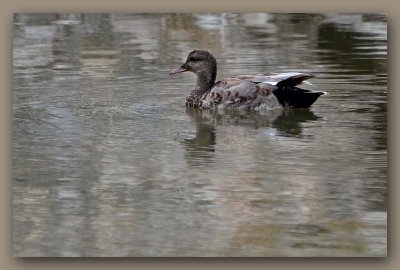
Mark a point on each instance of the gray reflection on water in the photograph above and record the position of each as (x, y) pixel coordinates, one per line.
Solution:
(200, 149)
(108, 161)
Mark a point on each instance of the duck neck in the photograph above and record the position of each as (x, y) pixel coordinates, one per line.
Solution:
(205, 81)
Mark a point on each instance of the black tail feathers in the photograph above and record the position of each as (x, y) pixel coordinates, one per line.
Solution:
(294, 97)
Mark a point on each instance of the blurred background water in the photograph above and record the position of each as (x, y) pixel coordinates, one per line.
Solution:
(107, 161)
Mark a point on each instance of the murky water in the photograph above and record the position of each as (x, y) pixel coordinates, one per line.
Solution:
(109, 162)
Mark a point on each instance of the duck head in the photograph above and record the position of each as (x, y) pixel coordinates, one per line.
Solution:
(203, 64)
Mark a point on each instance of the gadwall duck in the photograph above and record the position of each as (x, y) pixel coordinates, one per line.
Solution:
(247, 91)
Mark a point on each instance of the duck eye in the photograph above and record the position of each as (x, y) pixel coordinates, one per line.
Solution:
(192, 59)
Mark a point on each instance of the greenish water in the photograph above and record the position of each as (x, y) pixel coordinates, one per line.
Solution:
(107, 161)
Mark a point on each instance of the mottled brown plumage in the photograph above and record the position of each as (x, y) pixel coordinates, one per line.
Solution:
(246, 91)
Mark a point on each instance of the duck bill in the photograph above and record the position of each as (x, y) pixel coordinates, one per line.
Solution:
(178, 70)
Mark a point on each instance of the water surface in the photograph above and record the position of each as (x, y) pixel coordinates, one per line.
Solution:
(107, 161)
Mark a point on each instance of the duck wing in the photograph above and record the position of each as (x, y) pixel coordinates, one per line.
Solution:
(283, 86)
(282, 79)
(286, 91)
(252, 90)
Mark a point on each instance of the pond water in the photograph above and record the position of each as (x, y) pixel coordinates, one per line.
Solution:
(108, 161)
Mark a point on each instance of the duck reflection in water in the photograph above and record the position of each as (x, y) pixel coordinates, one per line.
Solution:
(200, 149)
(290, 122)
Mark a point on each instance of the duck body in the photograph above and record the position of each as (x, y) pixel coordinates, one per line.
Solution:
(243, 91)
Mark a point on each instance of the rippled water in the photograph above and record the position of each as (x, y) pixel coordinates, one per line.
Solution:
(109, 162)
